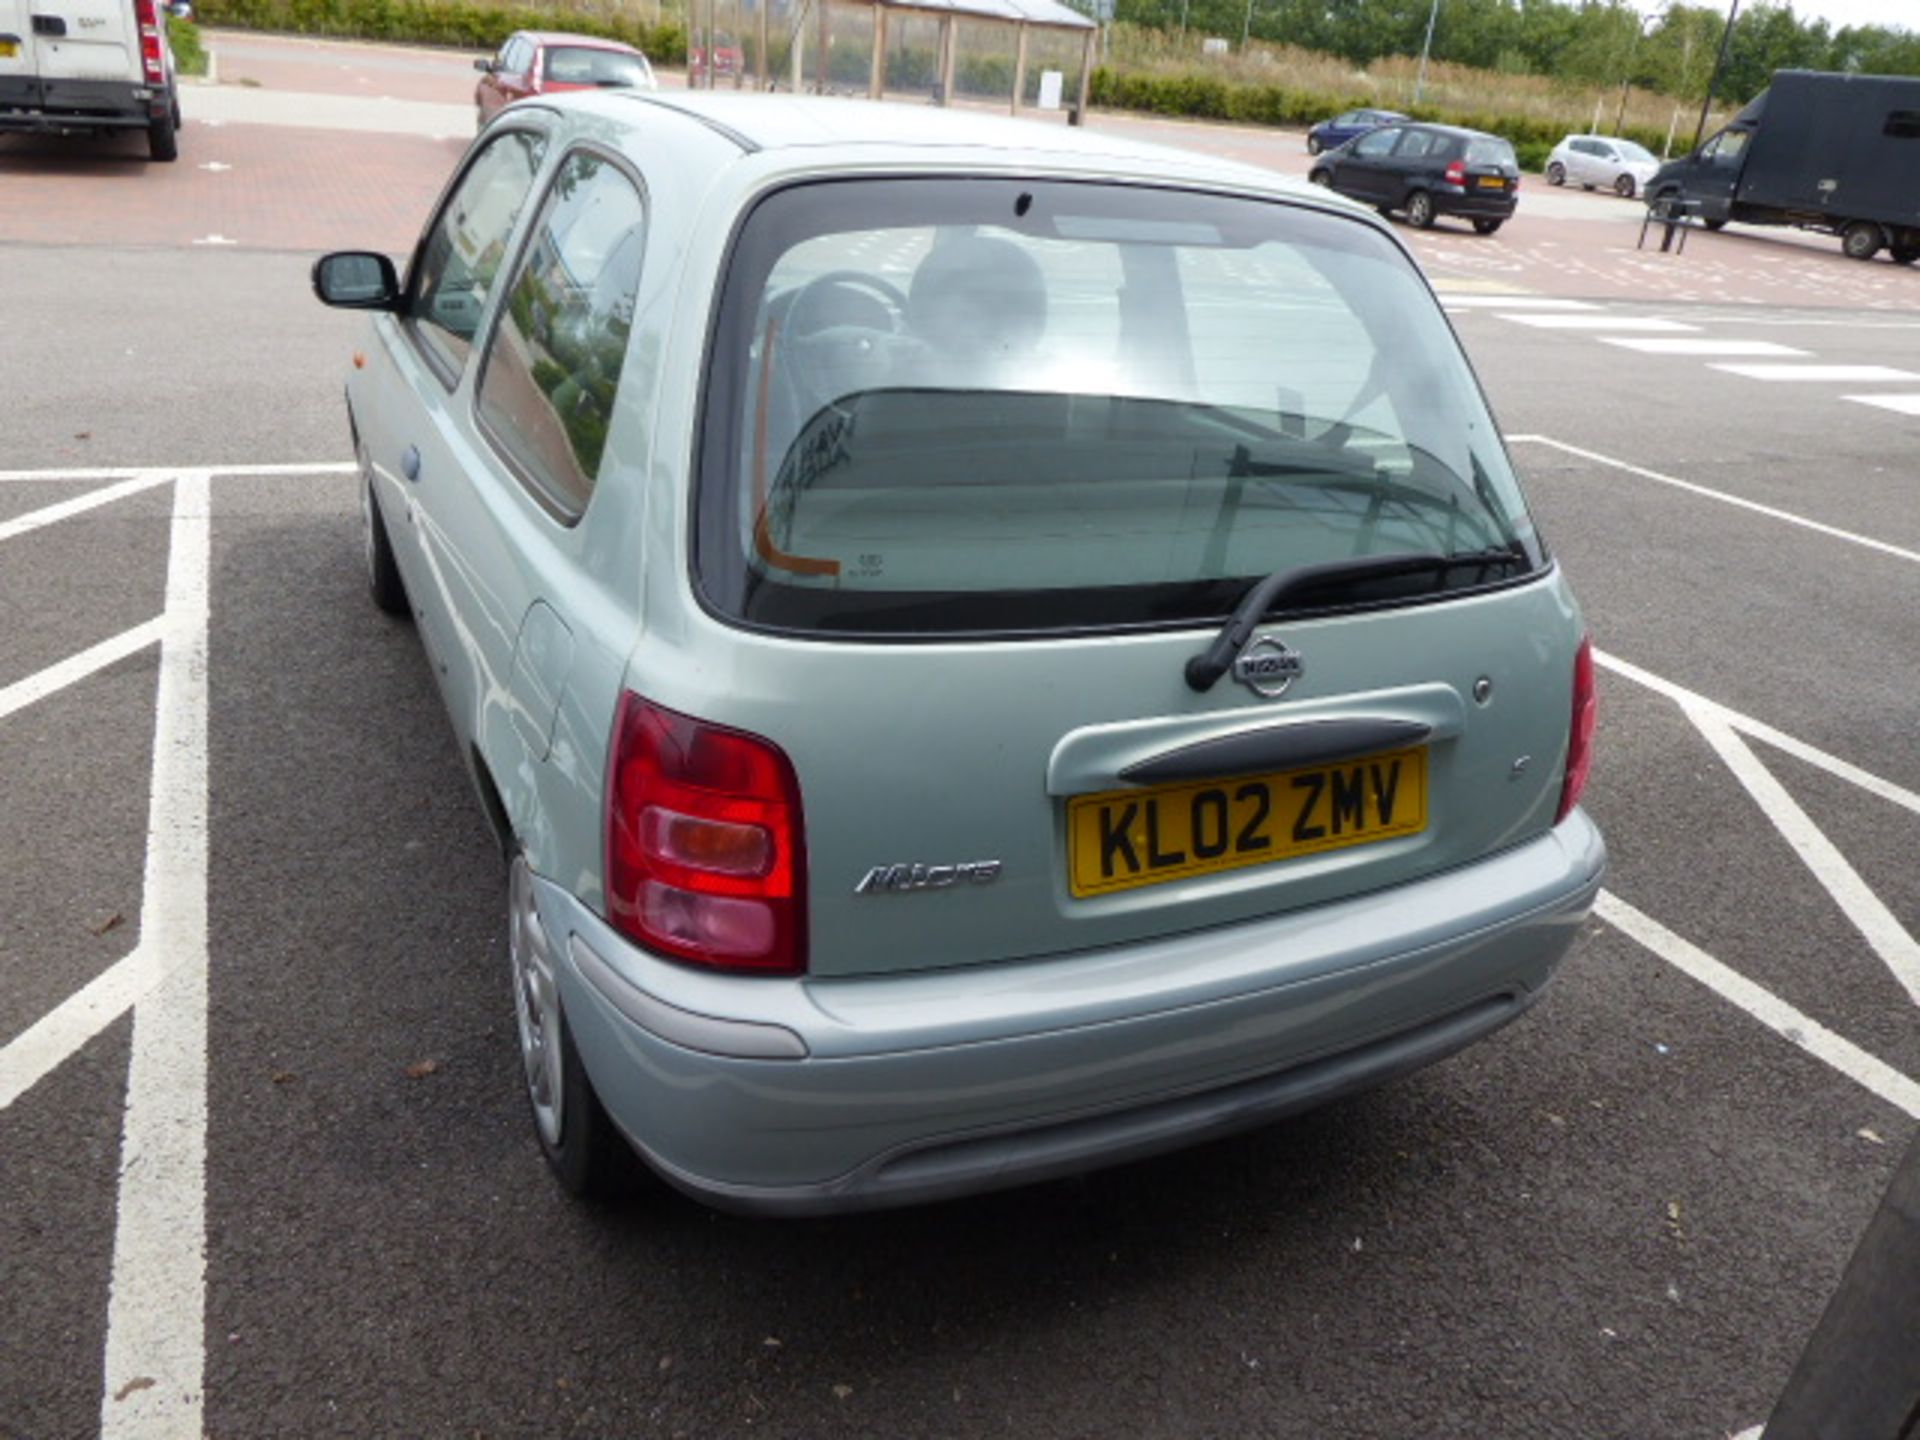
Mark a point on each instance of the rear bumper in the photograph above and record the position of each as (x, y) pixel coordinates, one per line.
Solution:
(29, 104)
(803, 1097)
(1447, 201)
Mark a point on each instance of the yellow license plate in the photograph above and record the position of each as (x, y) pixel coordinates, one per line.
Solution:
(9, 49)
(1126, 838)
(1492, 182)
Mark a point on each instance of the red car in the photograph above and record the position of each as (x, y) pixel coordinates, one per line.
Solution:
(729, 62)
(542, 62)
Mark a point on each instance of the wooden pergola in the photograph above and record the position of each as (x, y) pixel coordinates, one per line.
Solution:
(1024, 15)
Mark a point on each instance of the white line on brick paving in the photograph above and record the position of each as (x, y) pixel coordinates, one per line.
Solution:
(1684, 345)
(1480, 300)
(1899, 404)
(1770, 511)
(1648, 323)
(1822, 374)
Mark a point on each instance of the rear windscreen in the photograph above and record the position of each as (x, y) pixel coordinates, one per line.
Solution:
(569, 65)
(984, 406)
(1488, 151)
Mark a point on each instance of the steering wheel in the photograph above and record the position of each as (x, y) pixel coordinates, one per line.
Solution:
(835, 337)
(816, 292)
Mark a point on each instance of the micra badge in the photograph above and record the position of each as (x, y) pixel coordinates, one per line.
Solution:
(901, 879)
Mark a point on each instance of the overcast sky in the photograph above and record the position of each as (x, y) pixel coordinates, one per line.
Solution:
(1902, 14)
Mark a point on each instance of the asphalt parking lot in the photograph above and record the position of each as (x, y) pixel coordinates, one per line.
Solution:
(264, 1162)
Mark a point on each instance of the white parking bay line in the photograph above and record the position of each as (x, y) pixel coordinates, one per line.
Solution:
(1480, 300)
(75, 668)
(1603, 322)
(45, 1045)
(1899, 404)
(1770, 511)
(1867, 1071)
(1664, 345)
(155, 1361)
(80, 504)
(1816, 374)
(167, 472)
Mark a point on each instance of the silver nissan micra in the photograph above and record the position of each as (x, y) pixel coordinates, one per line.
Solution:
(990, 649)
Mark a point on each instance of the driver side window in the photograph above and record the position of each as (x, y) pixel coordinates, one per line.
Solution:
(464, 250)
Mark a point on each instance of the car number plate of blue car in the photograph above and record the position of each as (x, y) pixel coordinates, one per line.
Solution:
(1121, 839)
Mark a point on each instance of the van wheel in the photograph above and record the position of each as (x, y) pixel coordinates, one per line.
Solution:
(162, 143)
(586, 1152)
(1623, 187)
(1556, 174)
(1487, 227)
(1903, 254)
(1714, 224)
(1861, 240)
(1420, 210)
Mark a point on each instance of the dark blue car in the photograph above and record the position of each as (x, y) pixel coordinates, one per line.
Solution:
(1331, 134)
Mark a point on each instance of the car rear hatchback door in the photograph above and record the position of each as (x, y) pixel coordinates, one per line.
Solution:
(986, 464)
(19, 64)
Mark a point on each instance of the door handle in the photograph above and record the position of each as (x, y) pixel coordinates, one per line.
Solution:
(410, 462)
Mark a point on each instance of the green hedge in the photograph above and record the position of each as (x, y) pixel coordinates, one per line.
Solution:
(189, 55)
(436, 22)
(1209, 97)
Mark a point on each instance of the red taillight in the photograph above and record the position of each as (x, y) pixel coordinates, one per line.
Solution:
(706, 859)
(146, 15)
(1457, 173)
(1580, 733)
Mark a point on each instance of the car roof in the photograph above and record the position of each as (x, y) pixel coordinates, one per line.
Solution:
(805, 126)
(1461, 130)
(564, 37)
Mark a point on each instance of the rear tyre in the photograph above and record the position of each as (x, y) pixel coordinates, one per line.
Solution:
(1487, 227)
(1861, 240)
(162, 142)
(1420, 210)
(1556, 174)
(587, 1154)
(1624, 187)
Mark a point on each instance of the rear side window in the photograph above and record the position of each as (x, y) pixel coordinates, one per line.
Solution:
(581, 65)
(1416, 143)
(463, 251)
(981, 406)
(553, 366)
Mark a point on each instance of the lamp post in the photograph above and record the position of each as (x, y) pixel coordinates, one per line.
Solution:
(1420, 81)
(1719, 62)
(1626, 75)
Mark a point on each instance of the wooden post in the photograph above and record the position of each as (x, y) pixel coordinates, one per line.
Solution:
(1019, 68)
(947, 47)
(826, 57)
(761, 69)
(877, 80)
(796, 55)
(1086, 79)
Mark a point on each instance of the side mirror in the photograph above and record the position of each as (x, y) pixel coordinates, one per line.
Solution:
(356, 280)
(485, 67)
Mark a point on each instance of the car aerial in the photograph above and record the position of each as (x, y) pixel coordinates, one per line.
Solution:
(988, 649)
(91, 67)
(1348, 125)
(1592, 161)
(1426, 171)
(540, 62)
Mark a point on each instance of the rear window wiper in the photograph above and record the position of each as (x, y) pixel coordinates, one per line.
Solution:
(1208, 666)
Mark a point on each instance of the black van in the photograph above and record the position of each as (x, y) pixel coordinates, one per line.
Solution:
(1828, 152)
(1427, 171)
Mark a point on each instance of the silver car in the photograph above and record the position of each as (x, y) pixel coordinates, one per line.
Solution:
(990, 650)
(1592, 161)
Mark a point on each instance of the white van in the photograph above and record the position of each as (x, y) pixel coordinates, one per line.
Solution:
(80, 66)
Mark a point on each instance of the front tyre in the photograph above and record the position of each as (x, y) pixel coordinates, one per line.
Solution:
(1420, 210)
(1556, 174)
(1314, 147)
(162, 139)
(1322, 178)
(1861, 240)
(389, 591)
(586, 1153)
